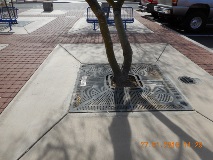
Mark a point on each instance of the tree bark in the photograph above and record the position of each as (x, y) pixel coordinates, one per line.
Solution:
(106, 36)
(127, 50)
(120, 75)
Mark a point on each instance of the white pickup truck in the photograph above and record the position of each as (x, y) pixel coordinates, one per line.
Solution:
(192, 14)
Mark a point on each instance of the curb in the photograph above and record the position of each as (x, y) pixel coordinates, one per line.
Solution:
(185, 37)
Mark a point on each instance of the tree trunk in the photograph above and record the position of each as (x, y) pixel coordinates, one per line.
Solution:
(106, 37)
(127, 50)
(120, 75)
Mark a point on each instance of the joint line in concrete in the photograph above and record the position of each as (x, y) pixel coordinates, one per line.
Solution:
(203, 115)
(69, 53)
(22, 155)
(162, 52)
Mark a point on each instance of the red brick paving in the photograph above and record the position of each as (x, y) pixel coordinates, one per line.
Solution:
(26, 53)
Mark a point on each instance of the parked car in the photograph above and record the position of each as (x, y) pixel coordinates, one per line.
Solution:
(148, 6)
(192, 14)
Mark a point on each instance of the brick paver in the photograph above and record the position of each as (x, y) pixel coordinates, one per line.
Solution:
(26, 53)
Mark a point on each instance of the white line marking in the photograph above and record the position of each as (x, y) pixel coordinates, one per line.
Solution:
(198, 35)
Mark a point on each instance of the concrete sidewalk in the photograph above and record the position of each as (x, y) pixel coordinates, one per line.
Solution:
(36, 123)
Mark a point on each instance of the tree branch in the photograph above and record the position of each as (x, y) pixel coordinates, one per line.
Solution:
(111, 2)
(119, 3)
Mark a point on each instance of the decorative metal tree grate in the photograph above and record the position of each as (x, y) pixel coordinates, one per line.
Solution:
(94, 91)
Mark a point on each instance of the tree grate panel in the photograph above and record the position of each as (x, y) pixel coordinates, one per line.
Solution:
(94, 92)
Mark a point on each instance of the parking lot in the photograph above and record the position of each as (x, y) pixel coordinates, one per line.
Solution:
(204, 37)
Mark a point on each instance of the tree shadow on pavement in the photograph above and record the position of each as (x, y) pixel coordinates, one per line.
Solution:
(121, 137)
(203, 153)
(74, 143)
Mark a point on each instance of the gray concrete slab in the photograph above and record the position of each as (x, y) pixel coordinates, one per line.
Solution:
(200, 95)
(40, 104)
(172, 63)
(95, 53)
(47, 95)
(120, 136)
(81, 26)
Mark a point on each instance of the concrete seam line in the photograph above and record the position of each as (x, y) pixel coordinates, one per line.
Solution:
(69, 53)
(204, 116)
(26, 30)
(42, 136)
(162, 52)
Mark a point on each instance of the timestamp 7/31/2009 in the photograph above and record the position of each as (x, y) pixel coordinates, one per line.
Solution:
(171, 144)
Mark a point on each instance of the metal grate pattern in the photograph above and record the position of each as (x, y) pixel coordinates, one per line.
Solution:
(154, 91)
